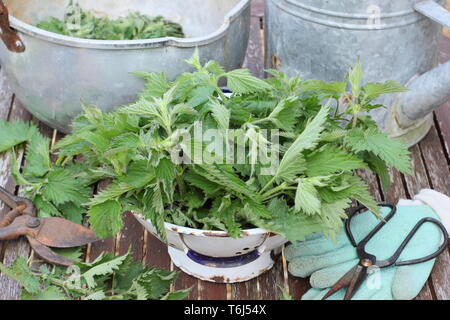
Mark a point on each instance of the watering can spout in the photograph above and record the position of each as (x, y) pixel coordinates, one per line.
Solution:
(426, 93)
(410, 116)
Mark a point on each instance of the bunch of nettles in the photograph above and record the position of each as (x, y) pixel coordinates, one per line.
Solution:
(108, 277)
(307, 191)
(81, 24)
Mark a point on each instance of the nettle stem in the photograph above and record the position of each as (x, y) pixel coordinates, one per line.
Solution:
(274, 190)
(268, 184)
(64, 285)
(260, 121)
(355, 121)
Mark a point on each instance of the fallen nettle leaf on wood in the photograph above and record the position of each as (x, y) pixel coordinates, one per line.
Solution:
(108, 277)
(280, 158)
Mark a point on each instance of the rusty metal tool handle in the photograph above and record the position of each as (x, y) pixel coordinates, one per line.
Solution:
(13, 232)
(13, 214)
(24, 225)
(7, 197)
(14, 201)
(9, 36)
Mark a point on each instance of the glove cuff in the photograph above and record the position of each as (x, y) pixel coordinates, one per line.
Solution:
(437, 201)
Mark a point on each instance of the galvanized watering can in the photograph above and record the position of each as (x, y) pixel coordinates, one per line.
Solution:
(396, 40)
(52, 73)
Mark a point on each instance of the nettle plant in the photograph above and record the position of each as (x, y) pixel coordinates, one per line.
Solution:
(280, 158)
(83, 24)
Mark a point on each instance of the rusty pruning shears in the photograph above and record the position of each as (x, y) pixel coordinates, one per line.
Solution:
(41, 233)
(353, 279)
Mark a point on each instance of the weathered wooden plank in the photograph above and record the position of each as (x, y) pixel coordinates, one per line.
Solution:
(298, 286)
(10, 289)
(438, 174)
(253, 59)
(97, 248)
(257, 9)
(396, 190)
(435, 162)
(131, 237)
(6, 98)
(419, 180)
(372, 182)
(426, 293)
(247, 290)
(264, 287)
(212, 291)
(156, 253)
(185, 281)
(442, 121)
(270, 281)
(415, 183)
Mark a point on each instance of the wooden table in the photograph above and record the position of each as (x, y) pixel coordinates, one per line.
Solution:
(431, 159)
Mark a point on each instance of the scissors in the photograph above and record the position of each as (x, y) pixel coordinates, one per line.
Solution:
(353, 279)
(41, 233)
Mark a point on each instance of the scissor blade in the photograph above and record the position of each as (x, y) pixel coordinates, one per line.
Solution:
(343, 282)
(360, 274)
(48, 255)
(62, 233)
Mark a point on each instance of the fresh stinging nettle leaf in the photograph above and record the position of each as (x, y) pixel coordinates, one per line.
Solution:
(330, 159)
(19, 271)
(371, 91)
(241, 81)
(38, 156)
(107, 278)
(61, 188)
(391, 151)
(306, 140)
(307, 198)
(14, 133)
(136, 147)
(105, 218)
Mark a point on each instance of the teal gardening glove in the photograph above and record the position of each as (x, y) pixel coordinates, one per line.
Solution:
(327, 262)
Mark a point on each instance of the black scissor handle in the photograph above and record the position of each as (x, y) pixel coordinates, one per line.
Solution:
(396, 255)
(362, 254)
(357, 210)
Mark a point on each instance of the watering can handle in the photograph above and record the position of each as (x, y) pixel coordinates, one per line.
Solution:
(434, 11)
(9, 37)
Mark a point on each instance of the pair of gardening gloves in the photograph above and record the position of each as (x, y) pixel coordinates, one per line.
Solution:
(327, 261)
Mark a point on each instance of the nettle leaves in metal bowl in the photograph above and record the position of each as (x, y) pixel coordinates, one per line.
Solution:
(135, 26)
(271, 154)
